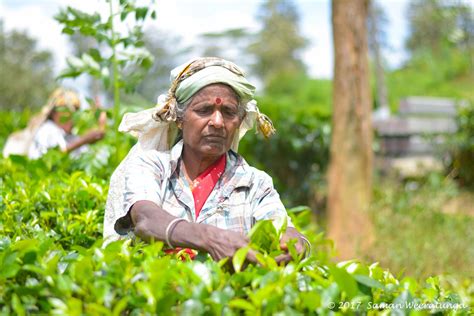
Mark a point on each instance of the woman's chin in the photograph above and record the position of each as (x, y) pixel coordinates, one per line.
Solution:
(215, 149)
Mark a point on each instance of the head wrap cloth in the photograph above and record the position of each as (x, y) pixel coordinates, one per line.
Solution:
(156, 128)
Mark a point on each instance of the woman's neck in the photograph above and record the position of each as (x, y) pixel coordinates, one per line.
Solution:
(195, 164)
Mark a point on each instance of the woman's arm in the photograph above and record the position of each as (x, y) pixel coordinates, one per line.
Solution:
(89, 138)
(150, 222)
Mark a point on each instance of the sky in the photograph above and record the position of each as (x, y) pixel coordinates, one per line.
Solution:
(190, 18)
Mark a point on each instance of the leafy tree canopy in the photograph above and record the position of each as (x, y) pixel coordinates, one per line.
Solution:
(279, 43)
(25, 71)
(438, 24)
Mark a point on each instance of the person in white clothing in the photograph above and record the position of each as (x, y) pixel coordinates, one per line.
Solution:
(52, 128)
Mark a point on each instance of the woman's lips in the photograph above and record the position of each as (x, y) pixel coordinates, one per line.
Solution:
(214, 137)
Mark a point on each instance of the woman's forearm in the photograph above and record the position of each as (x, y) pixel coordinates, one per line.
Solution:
(75, 144)
(150, 222)
(89, 138)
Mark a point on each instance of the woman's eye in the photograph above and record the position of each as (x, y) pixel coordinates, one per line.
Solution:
(203, 111)
(230, 112)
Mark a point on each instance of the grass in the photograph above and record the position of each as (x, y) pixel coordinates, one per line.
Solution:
(422, 229)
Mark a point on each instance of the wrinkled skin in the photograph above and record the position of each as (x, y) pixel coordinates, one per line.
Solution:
(209, 127)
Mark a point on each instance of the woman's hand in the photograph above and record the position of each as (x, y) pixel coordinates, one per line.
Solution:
(150, 222)
(102, 121)
(220, 243)
(291, 233)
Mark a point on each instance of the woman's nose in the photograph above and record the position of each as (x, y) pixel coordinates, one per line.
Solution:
(217, 120)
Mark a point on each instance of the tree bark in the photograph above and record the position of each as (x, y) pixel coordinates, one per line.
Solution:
(350, 169)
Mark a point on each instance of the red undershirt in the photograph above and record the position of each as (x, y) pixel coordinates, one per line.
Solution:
(204, 184)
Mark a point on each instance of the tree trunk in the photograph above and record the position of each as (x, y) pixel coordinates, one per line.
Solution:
(350, 169)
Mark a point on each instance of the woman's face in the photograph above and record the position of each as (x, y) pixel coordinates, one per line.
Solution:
(62, 116)
(211, 121)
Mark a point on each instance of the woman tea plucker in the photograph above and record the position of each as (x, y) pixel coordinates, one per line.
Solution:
(199, 193)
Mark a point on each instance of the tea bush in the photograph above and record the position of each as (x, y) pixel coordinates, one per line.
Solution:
(12, 121)
(52, 261)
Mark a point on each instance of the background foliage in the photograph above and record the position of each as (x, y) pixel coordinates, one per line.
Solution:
(462, 148)
(25, 71)
(300, 110)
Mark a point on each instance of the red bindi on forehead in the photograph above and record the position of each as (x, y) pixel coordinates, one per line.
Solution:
(218, 101)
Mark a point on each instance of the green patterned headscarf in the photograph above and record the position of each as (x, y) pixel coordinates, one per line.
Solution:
(189, 78)
(209, 70)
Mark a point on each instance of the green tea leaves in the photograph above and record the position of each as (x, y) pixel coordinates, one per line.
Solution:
(52, 261)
